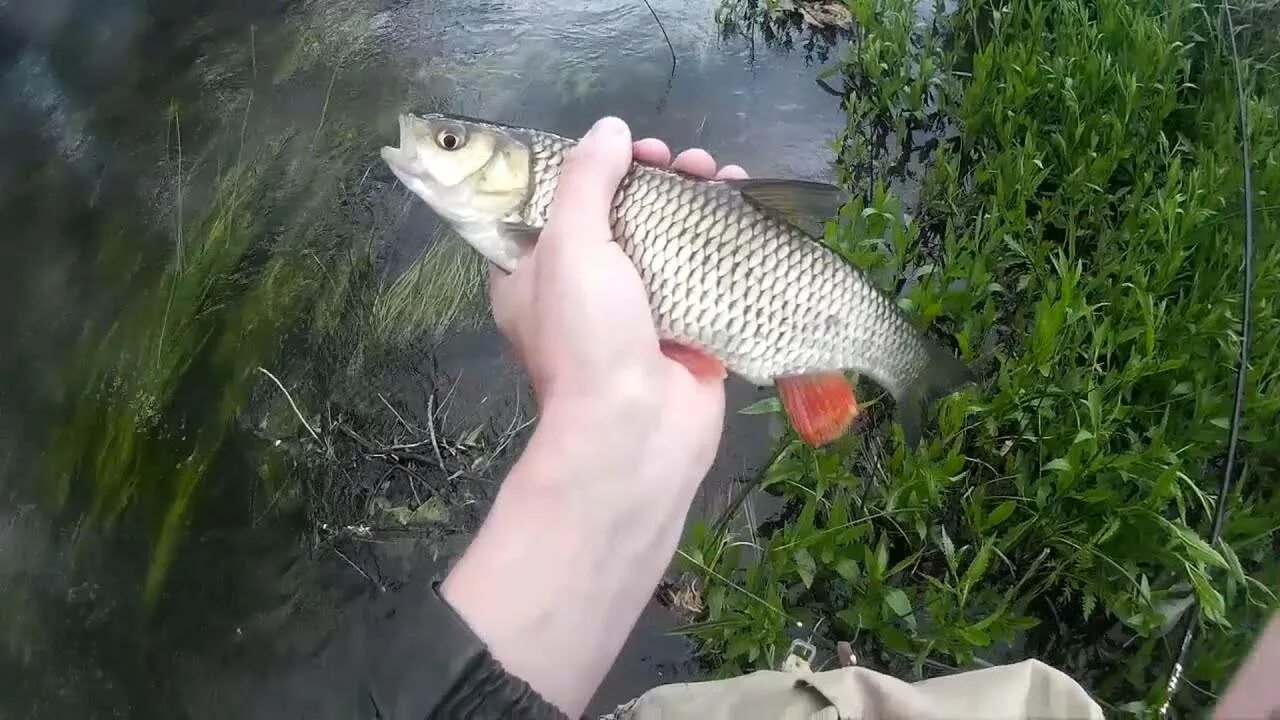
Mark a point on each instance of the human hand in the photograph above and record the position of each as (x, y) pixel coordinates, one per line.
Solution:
(588, 519)
(578, 316)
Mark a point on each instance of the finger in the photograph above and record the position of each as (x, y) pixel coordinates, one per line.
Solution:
(701, 365)
(588, 181)
(731, 172)
(695, 161)
(651, 151)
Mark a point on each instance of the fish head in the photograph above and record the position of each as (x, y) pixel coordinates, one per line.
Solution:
(470, 172)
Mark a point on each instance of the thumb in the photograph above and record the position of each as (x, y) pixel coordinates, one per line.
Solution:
(584, 193)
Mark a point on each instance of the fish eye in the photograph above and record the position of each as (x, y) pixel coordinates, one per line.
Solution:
(450, 139)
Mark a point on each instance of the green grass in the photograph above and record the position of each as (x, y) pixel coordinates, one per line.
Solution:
(1079, 241)
(276, 271)
(161, 390)
(442, 291)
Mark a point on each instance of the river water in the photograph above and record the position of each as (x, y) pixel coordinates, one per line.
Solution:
(191, 197)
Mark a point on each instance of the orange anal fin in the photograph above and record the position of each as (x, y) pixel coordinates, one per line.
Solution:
(703, 365)
(821, 406)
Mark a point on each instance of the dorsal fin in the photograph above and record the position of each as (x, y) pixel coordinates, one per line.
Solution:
(805, 204)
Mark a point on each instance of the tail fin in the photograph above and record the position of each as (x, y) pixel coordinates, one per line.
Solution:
(942, 375)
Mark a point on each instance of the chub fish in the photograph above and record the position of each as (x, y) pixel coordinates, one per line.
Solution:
(734, 269)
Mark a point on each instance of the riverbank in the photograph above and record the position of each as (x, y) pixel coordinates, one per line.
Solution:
(1078, 238)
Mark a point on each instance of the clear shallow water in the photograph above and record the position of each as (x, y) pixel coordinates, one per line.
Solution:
(117, 120)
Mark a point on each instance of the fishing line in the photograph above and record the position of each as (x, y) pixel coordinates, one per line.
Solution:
(666, 92)
(666, 37)
(1220, 511)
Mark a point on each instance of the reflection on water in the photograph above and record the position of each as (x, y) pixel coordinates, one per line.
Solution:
(247, 389)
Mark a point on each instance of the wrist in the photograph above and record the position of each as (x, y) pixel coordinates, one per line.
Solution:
(622, 400)
(578, 538)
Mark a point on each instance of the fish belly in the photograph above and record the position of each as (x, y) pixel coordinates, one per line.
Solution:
(725, 277)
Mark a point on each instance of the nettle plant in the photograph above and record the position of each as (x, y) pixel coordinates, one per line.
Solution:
(1078, 238)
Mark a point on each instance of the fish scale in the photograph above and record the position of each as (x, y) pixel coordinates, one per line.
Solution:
(797, 332)
(726, 271)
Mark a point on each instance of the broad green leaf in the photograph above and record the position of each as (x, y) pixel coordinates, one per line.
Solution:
(850, 617)
(895, 640)
(1058, 464)
(1212, 604)
(975, 636)
(805, 567)
(1000, 514)
(899, 606)
(870, 564)
(740, 646)
(948, 547)
(847, 568)
(1233, 562)
(978, 567)
(1022, 623)
(1197, 547)
(765, 406)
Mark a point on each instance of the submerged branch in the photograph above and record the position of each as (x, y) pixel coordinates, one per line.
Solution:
(293, 405)
(389, 451)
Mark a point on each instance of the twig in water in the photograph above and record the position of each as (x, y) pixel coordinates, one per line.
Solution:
(177, 124)
(390, 452)
(359, 570)
(253, 61)
(431, 428)
(327, 94)
(413, 483)
(449, 395)
(292, 404)
(177, 229)
(403, 422)
(408, 446)
(664, 36)
(244, 124)
(512, 430)
(697, 136)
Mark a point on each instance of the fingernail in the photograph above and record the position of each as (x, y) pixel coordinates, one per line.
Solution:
(609, 127)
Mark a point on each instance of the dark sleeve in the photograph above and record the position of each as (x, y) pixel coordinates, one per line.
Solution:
(423, 661)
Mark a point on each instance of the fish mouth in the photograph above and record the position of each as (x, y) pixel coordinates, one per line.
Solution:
(402, 157)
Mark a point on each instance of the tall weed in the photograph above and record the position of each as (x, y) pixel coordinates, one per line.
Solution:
(1078, 239)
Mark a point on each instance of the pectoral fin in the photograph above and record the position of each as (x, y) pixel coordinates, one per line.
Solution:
(807, 205)
(521, 237)
(503, 244)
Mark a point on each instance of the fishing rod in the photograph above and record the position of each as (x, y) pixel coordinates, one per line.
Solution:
(1228, 475)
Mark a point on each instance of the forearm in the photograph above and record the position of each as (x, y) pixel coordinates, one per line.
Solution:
(554, 581)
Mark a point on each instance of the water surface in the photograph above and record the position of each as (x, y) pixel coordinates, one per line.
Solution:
(190, 192)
